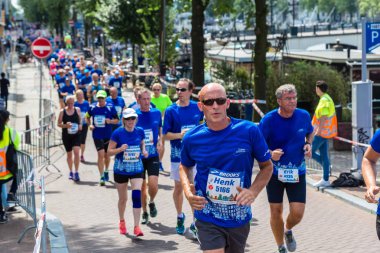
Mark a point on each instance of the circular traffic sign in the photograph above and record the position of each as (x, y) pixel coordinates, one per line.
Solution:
(41, 48)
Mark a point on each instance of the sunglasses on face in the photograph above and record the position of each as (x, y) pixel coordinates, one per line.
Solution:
(156, 89)
(210, 102)
(180, 89)
(131, 118)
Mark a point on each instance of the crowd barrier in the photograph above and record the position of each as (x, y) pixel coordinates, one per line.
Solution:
(38, 141)
(41, 228)
(25, 192)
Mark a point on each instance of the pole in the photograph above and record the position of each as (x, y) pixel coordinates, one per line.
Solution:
(40, 108)
(364, 50)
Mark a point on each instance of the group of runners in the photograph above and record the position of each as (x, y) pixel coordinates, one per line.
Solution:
(211, 154)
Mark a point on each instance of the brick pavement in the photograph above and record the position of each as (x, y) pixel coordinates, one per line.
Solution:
(89, 214)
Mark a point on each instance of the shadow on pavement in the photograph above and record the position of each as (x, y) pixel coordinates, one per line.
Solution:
(165, 187)
(160, 229)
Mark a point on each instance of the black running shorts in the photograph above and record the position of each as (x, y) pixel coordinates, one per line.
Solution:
(151, 166)
(212, 237)
(121, 179)
(101, 144)
(296, 192)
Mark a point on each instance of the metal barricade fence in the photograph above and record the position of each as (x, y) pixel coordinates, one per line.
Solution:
(38, 141)
(25, 192)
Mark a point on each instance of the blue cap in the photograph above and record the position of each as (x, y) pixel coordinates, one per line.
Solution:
(86, 71)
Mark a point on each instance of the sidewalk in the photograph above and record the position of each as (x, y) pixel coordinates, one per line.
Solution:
(89, 215)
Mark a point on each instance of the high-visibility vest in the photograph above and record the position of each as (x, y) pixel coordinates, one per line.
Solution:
(4, 143)
(330, 126)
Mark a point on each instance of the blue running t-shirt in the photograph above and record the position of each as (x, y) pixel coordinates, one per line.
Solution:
(116, 82)
(119, 105)
(128, 162)
(99, 115)
(289, 135)
(375, 144)
(178, 118)
(151, 122)
(83, 110)
(224, 160)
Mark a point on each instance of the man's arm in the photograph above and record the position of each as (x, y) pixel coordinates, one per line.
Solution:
(307, 147)
(173, 136)
(369, 174)
(196, 202)
(247, 196)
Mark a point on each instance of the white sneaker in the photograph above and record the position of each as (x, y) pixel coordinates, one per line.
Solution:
(322, 183)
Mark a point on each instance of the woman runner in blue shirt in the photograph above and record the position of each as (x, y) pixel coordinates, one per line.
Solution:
(127, 143)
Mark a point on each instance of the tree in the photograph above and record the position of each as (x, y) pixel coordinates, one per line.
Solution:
(130, 20)
(54, 13)
(35, 10)
(370, 8)
(305, 84)
(261, 47)
(89, 9)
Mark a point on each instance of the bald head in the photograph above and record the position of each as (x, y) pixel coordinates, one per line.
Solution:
(209, 88)
(113, 92)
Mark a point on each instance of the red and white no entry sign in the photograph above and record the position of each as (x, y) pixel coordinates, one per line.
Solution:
(41, 48)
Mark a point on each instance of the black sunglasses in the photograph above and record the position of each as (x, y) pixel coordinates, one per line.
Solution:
(130, 118)
(181, 89)
(210, 102)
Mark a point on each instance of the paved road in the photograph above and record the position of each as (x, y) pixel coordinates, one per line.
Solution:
(89, 212)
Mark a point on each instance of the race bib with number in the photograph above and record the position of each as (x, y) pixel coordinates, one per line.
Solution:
(118, 110)
(132, 154)
(221, 186)
(100, 121)
(149, 144)
(116, 85)
(73, 129)
(288, 175)
(83, 115)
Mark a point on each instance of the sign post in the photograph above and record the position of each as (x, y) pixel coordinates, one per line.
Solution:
(41, 48)
(362, 98)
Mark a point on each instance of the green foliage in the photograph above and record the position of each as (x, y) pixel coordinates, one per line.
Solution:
(224, 74)
(370, 8)
(305, 83)
(242, 79)
(35, 10)
(130, 19)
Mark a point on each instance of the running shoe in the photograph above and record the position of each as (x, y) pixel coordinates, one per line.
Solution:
(282, 249)
(161, 168)
(137, 231)
(152, 209)
(290, 241)
(102, 181)
(71, 176)
(122, 228)
(11, 197)
(145, 218)
(3, 218)
(82, 159)
(106, 176)
(76, 177)
(181, 225)
(322, 183)
(193, 231)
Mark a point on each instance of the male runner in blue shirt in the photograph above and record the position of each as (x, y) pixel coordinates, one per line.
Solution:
(180, 117)
(150, 120)
(370, 158)
(288, 133)
(103, 115)
(223, 149)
